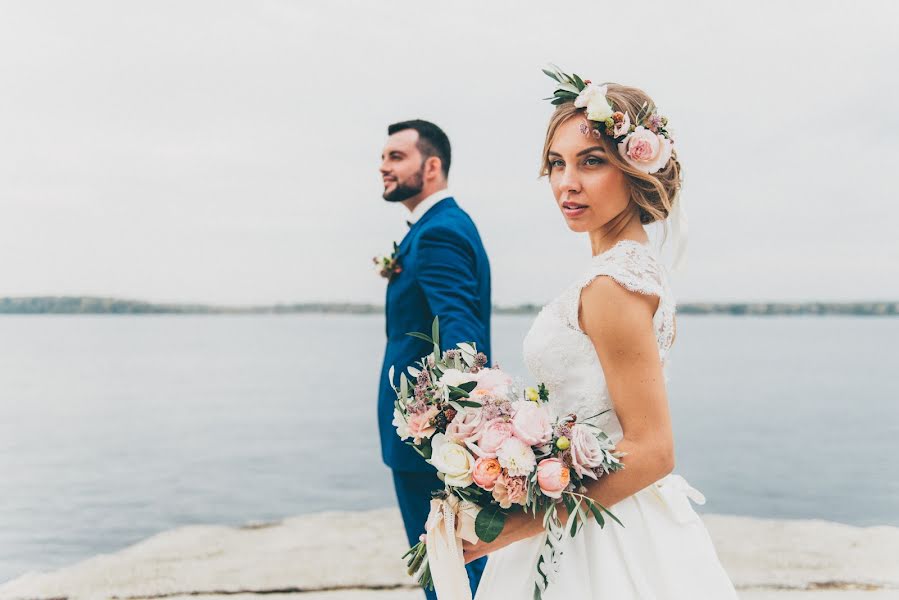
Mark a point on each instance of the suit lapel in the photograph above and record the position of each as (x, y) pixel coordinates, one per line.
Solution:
(442, 206)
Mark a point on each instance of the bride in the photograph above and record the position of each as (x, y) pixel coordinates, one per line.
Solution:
(603, 344)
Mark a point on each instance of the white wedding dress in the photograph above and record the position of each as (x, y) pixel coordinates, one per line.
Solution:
(663, 552)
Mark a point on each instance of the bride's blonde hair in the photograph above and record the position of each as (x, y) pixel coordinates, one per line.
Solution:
(655, 194)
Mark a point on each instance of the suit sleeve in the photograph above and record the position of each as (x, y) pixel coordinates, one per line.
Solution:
(446, 273)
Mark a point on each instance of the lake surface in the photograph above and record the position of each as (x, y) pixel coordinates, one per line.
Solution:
(113, 428)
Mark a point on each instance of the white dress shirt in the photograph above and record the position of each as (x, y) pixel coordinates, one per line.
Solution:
(426, 205)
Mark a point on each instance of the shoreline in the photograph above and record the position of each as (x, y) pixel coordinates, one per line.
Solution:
(356, 556)
(100, 305)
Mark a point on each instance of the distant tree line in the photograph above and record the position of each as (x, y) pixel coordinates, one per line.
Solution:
(92, 305)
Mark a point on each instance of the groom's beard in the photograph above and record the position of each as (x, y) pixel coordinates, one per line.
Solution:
(406, 189)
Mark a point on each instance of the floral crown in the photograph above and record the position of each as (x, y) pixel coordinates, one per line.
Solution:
(645, 143)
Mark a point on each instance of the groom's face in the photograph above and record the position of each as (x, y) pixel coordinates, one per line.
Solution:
(402, 168)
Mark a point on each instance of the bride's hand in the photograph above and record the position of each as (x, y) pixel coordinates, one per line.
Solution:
(519, 525)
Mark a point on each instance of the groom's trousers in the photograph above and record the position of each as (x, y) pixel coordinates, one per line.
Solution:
(413, 491)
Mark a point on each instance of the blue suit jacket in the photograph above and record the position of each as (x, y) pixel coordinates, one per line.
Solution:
(445, 273)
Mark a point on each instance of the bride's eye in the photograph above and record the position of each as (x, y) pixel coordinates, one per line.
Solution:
(555, 163)
(592, 161)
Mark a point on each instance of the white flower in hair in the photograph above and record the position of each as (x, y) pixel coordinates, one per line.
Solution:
(593, 98)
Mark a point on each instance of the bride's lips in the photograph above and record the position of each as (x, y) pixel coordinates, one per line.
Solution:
(573, 209)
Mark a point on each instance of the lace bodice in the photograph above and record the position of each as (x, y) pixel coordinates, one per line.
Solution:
(561, 356)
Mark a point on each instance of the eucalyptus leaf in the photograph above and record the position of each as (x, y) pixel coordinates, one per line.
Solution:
(489, 523)
(468, 386)
(468, 403)
(420, 336)
(462, 393)
(551, 74)
(435, 332)
(597, 514)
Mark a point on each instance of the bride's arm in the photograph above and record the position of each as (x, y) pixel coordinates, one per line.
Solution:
(619, 323)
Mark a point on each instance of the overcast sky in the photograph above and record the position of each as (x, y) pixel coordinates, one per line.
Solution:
(228, 152)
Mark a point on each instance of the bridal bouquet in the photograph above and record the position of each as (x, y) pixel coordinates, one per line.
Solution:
(497, 450)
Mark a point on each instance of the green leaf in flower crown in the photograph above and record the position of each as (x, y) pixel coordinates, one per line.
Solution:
(489, 523)
(551, 74)
(578, 81)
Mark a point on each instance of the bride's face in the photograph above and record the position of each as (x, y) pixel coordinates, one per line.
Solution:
(589, 190)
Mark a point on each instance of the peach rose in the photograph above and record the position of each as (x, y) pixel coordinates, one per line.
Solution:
(420, 427)
(485, 472)
(552, 477)
(645, 151)
(531, 423)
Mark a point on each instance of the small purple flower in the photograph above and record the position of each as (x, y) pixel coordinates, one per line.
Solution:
(584, 128)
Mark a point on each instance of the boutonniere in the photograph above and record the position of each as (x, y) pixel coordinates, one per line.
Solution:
(388, 266)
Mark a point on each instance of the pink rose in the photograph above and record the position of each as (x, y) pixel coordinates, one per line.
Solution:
(491, 437)
(465, 424)
(531, 423)
(552, 477)
(510, 490)
(645, 151)
(420, 425)
(586, 451)
(485, 472)
(493, 380)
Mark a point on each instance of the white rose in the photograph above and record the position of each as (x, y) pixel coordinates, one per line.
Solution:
(516, 457)
(593, 97)
(451, 459)
(402, 427)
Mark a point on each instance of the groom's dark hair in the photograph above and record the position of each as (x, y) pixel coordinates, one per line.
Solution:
(431, 141)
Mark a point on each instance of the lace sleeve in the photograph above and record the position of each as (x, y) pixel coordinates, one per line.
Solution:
(635, 267)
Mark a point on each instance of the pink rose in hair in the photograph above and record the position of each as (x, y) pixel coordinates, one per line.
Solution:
(645, 151)
(491, 437)
(531, 423)
(510, 490)
(485, 472)
(552, 477)
(420, 425)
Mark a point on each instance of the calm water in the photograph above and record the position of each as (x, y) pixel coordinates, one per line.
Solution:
(115, 428)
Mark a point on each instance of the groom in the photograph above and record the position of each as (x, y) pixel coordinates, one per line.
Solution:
(442, 271)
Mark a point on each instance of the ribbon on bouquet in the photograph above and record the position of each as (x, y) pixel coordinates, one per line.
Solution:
(449, 523)
(675, 492)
